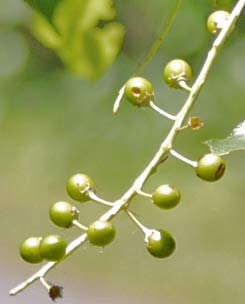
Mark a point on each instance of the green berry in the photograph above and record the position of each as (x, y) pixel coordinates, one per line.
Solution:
(175, 71)
(139, 91)
(217, 20)
(101, 233)
(210, 167)
(29, 250)
(166, 197)
(63, 214)
(160, 243)
(53, 247)
(79, 185)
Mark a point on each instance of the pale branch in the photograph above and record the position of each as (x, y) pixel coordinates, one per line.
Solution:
(161, 154)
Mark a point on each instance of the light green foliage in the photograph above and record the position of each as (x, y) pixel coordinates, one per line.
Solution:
(45, 7)
(234, 142)
(86, 48)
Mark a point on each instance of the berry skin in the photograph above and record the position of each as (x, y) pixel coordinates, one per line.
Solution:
(78, 186)
(29, 250)
(175, 71)
(53, 247)
(216, 21)
(166, 197)
(101, 233)
(139, 91)
(160, 243)
(63, 214)
(210, 167)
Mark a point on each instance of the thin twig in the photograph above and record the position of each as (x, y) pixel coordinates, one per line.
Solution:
(159, 42)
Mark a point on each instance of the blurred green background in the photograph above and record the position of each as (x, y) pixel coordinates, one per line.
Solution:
(53, 125)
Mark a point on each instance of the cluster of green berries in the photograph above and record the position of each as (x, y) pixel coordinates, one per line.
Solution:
(65, 215)
(50, 248)
(140, 92)
(211, 167)
(80, 187)
(160, 243)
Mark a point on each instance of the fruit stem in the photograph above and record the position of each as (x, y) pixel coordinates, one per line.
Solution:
(45, 283)
(182, 83)
(161, 112)
(143, 228)
(79, 225)
(183, 158)
(97, 199)
(142, 193)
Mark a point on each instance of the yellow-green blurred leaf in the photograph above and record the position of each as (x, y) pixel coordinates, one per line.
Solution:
(46, 33)
(85, 45)
(45, 7)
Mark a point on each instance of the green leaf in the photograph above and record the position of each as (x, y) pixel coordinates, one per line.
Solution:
(234, 142)
(82, 35)
(45, 7)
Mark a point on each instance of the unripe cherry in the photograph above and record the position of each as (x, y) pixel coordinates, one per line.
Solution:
(166, 196)
(139, 91)
(210, 167)
(78, 187)
(29, 250)
(53, 247)
(101, 233)
(160, 243)
(175, 71)
(217, 20)
(63, 214)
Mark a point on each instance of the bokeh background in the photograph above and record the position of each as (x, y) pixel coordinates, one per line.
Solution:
(53, 124)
